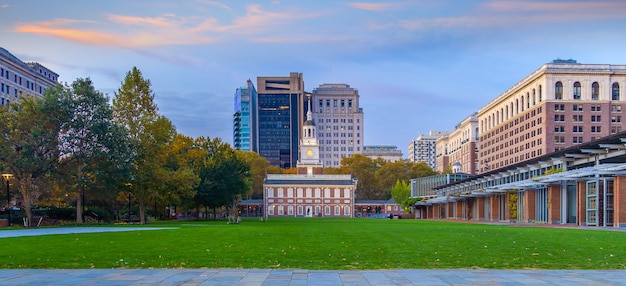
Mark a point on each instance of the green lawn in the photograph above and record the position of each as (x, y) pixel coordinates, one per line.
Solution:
(323, 244)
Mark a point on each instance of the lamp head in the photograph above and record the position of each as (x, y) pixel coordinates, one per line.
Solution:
(7, 176)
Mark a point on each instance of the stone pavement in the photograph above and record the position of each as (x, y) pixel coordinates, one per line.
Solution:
(274, 277)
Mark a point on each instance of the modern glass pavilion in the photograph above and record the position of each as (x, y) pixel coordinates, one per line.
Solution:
(583, 185)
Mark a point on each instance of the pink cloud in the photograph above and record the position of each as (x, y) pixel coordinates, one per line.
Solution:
(376, 6)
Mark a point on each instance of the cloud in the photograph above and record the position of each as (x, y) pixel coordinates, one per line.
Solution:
(130, 31)
(215, 3)
(3, 6)
(377, 6)
(165, 30)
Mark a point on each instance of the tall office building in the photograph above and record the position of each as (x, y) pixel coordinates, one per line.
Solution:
(245, 118)
(18, 78)
(339, 122)
(423, 149)
(280, 116)
(561, 104)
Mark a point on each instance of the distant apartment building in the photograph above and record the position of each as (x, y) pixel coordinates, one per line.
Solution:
(561, 104)
(423, 149)
(18, 78)
(339, 122)
(385, 152)
(245, 118)
(459, 147)
(280, 115)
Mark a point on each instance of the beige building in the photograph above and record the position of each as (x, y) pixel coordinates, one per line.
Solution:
(385, 152)
(561, 104)
(459, 147)
(424, 148)
(18, 78)
(340, 120)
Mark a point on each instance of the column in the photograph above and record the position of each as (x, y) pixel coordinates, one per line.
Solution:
(459, 209)
(531, 205)
(554, 204)
(480, 208)
(581, 201)
(493, 208)
(619, 199)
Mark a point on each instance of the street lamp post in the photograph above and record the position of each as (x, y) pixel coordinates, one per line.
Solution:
(7, 177)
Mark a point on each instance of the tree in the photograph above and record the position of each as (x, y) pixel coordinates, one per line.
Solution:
(91, 143)
(401, 192)
(224, 176)
(258, 168)
(29, 145)
(364, 169)
(390, 173)
(150, 133)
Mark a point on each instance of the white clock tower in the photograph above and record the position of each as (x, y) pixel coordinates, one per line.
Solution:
(309, 148)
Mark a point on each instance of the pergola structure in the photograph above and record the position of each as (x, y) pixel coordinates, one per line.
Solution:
(588, 189)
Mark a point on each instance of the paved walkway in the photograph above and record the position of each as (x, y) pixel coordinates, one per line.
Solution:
(269, 277)
(276, 277)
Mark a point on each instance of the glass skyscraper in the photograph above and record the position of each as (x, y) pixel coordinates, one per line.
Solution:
(280, 116)
(245, 118)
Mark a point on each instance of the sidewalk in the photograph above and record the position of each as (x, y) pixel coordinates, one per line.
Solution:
(269, 277)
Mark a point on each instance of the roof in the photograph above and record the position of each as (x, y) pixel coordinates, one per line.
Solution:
(309, 182)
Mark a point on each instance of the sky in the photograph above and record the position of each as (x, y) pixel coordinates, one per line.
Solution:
(418, 65)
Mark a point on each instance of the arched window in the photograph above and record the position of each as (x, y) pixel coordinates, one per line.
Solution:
(534, 97)
(615, 91)
(558, 90)
(540, 93)
(527, 100)
(577, 90)
(595, 91)
(517, 106)
(522, 102)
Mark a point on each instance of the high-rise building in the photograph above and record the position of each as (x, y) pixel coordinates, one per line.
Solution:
(245, 118)
(423, 149)
(460, 147)
(561, 104)
(339, 122)
(18, 78)
(280, 105)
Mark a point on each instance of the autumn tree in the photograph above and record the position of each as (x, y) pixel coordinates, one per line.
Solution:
(150, 134)
(29, 145)
(258, 169)
(364, 169)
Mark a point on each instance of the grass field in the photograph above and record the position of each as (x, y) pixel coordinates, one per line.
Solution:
(323, 244)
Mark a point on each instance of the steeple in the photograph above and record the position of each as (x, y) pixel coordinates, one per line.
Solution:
(309, 146)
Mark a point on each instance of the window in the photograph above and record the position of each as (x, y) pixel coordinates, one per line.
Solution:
(577, 90)
(559, 128)
(614, 129)
(616, 119)
(577, 107)
(616, 108)
(559, 139)
(615, 91)
(596, 108)
(559, 107)
(558, 90)
(578, 118)
(559, 117)
(577, 129)
(595, 91)
(596, 129)
(577, 139)
(596, 118)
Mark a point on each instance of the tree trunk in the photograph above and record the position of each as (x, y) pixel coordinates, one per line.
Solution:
(142, 214)
(79, 193)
